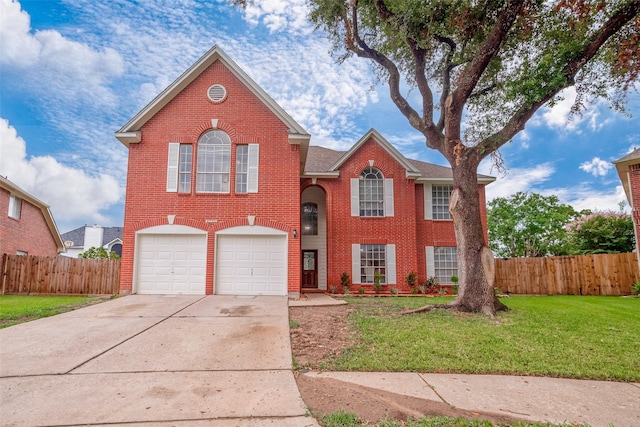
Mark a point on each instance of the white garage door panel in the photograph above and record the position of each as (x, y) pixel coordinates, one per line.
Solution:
(251, 265)
(172, 264)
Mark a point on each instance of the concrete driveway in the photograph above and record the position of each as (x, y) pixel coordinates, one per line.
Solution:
(153, 360)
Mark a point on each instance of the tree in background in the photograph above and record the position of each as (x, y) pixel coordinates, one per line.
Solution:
(602, 233)
(529, 225)
(98, 253)
(492, 64)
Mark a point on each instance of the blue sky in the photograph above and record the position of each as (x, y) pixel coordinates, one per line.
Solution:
(72, 72)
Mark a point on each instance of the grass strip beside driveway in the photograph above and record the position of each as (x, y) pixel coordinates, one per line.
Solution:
(16, 309)
(557, 336)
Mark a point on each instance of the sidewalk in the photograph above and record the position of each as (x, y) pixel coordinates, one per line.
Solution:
(597, 403)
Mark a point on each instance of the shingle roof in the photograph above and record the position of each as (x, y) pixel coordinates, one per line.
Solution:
(109, 234)
(634, 155)
(320, 159)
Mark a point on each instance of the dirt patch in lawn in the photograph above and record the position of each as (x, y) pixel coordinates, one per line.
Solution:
(320, 333)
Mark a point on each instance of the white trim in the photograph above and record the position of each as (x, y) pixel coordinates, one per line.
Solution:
(173, 161)
(388, 197)
(252, 230)
(252, 168)
(391, 265)
(355, 197)
(170, 229)
(355, 264)
(431, 261)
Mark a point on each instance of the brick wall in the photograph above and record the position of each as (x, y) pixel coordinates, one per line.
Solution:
(184, 119)
(407, 229)
(29, 234)
(634, 182)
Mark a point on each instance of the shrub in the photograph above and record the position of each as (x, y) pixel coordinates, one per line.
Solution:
(345, 281)
(635, 289)
(377, 281)
(412, 279)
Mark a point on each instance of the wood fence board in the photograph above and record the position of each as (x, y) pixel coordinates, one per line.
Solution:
(601, 274)
(59, 275)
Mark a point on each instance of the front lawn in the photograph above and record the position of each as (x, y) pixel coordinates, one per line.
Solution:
(16, 309)
(557, 336)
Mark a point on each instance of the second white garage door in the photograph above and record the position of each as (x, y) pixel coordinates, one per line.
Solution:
(251, 265)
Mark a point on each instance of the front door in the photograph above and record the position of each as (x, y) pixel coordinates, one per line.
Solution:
(310, 269)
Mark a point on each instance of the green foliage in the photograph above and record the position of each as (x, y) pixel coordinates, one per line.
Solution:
(411, 279)
(345, 281)
(454, 279)
(340, 419)
(98, 253)
(528, 225)
(377, 281)
(602, 233)
(635, 289)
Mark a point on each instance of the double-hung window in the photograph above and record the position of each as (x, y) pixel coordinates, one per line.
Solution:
(440, 195)
(367, 259)
(213, 164)
(442, 262)
(247, 168)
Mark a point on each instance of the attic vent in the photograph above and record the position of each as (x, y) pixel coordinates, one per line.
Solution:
(217, 93)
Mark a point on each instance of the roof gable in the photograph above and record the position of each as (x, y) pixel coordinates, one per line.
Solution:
(44, 208)
(622, 167)
(410, 169)
(130, 132)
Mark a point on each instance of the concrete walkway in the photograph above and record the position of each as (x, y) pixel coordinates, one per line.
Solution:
(597, 403)
(153, 360)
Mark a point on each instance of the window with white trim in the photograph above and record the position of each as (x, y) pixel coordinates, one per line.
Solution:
(179, 167)
(15, 206)
(373, 258)
(440, 195)
(242, 168)
(309, 219)
(213, 164)
(445, 262)
(371, 192)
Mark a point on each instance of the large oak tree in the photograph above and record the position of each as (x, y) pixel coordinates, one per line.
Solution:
(482, 68)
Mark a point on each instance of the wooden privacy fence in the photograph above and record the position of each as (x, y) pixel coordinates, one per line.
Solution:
(59, 275)
(604, 274)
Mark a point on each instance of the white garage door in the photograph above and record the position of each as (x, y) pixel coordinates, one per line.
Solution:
(171, 264)
(251, 265)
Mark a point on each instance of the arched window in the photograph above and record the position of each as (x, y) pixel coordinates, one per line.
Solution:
(371, 192)
(309, 219)
(214, 157)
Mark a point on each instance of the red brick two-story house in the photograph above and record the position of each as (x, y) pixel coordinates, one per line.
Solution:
(225, 195)
(26, 224)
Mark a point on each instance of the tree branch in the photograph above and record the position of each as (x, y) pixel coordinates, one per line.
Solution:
(446, 78)
(517, 122)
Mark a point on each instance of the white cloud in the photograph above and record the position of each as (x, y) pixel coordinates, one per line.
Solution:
(73, 195)
(54, 66)
(596, 167)
(279, 15)
(583, 197)
(516, 179)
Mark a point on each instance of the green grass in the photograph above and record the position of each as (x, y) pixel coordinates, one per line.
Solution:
(16, 309)
(345, 419)
(557, 336)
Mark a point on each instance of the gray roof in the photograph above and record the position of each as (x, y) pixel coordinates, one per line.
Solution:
(320, 159)
(76, 236)
(634, 155)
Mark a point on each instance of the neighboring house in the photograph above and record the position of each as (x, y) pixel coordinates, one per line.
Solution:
(628, 169)
(92, 236)
(26, 224)
(225, 195)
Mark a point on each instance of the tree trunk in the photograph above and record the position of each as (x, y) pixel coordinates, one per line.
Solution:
(476, 272)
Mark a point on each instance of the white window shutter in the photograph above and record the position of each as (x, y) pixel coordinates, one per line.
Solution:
(388, 197)
(172, 167)
(431, 261)
(391, 265)
(355, 198)
(428, 202)
(252, 178)
(355, 263)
